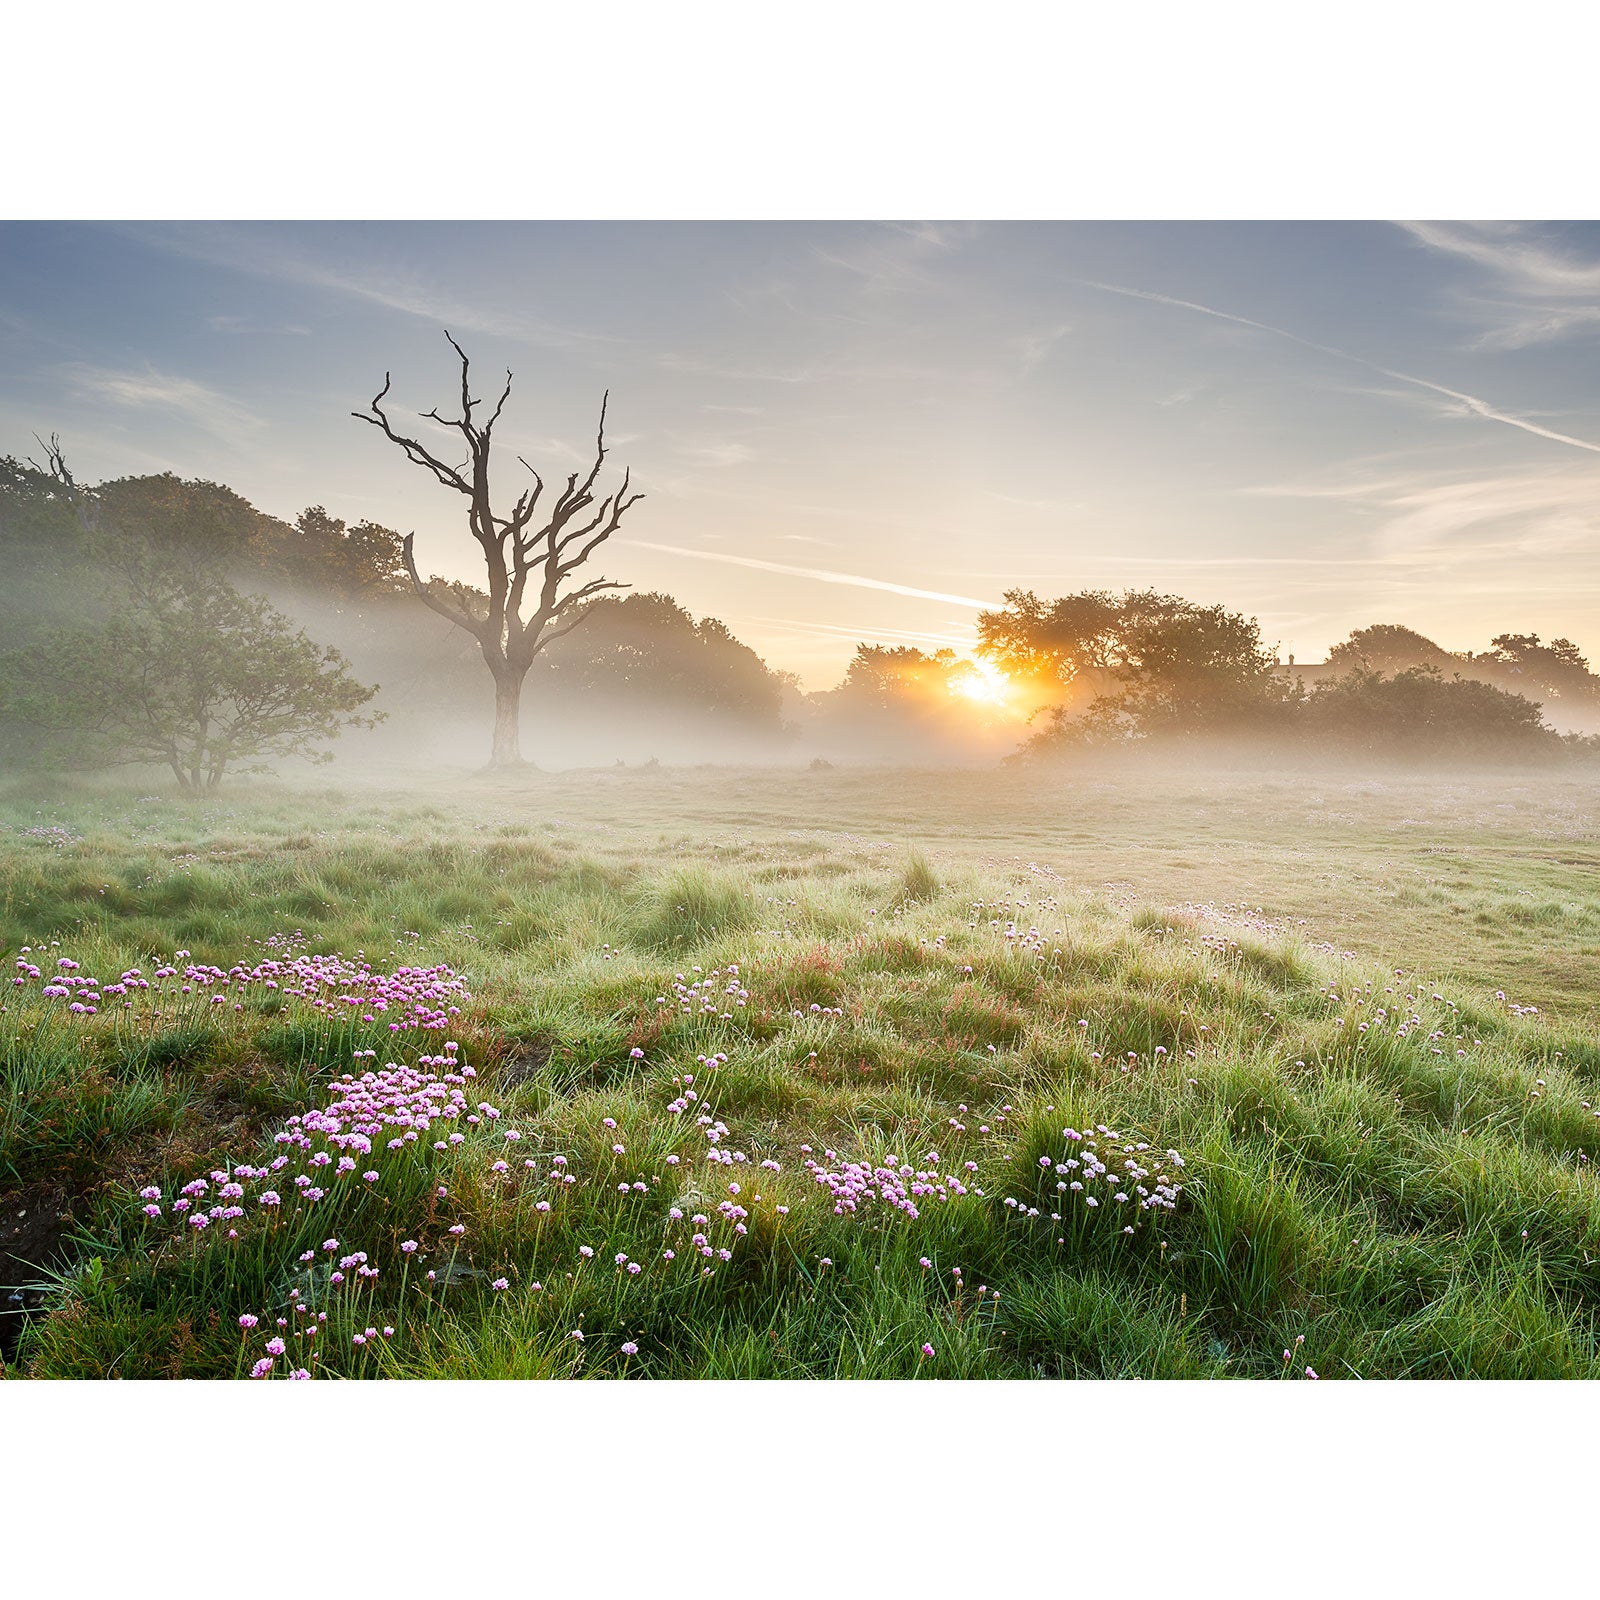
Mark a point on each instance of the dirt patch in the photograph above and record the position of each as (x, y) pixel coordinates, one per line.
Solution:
(32, 1222)
(524, 1059)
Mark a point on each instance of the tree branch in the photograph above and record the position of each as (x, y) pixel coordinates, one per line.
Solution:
(550, 635)
(450, 477)
(432, 601)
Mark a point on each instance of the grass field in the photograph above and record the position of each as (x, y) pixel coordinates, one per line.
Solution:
(812, 1074)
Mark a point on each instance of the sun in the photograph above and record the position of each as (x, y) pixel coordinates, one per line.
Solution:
(984, 685)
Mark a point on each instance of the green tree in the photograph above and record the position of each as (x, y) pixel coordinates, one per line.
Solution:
(171, 665)
(1136, 666)
(207, 526)
(1072, 645)
(197, 678)
(646, 650)
(42, 551)
(1389, 647)
(898, 678)
(359, 562)
(1554, 671)
(189, 522)
(1419, 714)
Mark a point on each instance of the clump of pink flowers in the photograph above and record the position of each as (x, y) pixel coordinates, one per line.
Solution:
(407, 999)
(900, 1185)
(376, 1123)
(716, 994)
(1115, 1175)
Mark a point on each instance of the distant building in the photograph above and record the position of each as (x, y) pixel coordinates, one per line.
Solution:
(1307, 672)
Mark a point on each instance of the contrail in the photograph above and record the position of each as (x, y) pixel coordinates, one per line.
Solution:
(829, 630)
(1481, 408)
(819, 574)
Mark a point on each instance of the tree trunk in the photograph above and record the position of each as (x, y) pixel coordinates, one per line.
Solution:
(507, 721)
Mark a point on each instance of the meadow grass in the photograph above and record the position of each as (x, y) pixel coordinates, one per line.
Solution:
(809, 1075)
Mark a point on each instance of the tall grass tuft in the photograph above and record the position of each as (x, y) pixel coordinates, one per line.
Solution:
(691, 906)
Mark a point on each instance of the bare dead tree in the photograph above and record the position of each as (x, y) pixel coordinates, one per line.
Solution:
(55, 463)
(527, 561)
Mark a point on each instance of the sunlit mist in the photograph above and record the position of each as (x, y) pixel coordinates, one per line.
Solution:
(985, 684)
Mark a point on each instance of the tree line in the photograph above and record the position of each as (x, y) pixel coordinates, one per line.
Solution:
(167, 622)
(1144, 669)
(162, 621)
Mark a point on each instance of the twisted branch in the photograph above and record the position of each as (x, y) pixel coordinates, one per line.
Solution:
(517, 557)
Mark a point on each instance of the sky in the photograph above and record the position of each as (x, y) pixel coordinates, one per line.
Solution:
(870, 431)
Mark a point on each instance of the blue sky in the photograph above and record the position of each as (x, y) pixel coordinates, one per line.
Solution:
(1322, 424)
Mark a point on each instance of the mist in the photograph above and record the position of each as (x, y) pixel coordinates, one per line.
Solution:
(438, 708)
(437, 703)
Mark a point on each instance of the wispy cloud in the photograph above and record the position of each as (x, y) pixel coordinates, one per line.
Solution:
(788, 631)
(829, 630)
(818, 575)
(1518, 519)
(895, 257)
(268, 254)
(197, 403)
(1035, 347)
(237, 324)
(1465, 405)
(938, 235)
(1116, 560)
(1536, 290)
(94, 453)
(741, 372)
(849, 366)
(1514, 252)
(717, 453)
